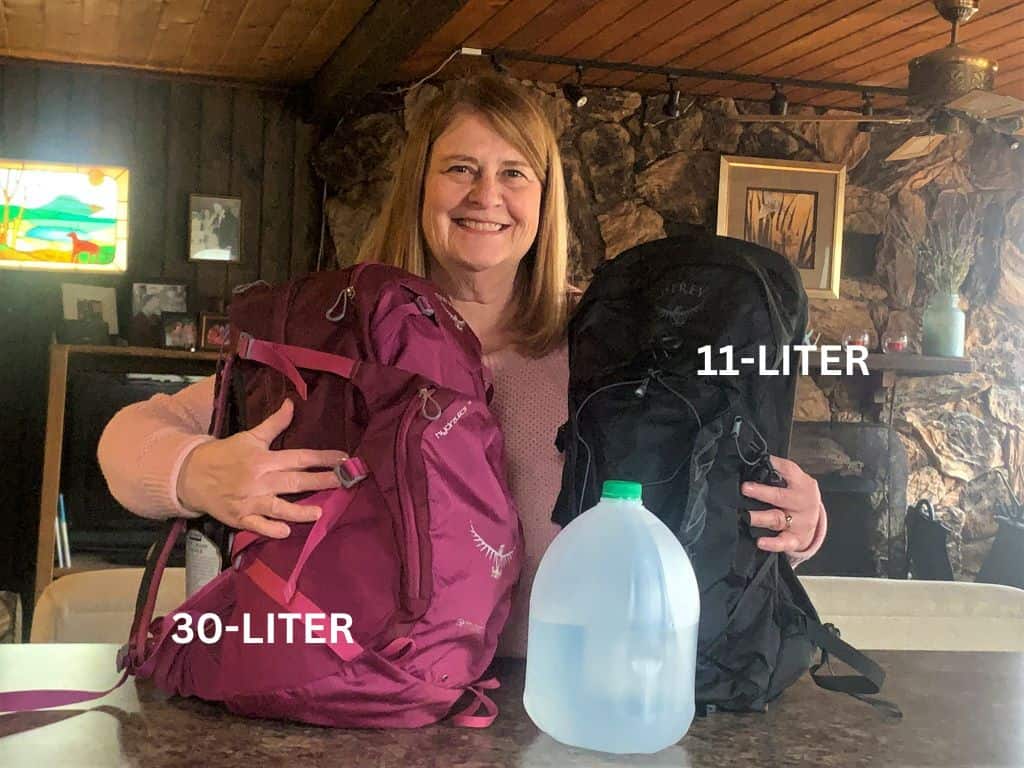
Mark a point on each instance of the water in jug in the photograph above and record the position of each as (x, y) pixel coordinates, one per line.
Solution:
(612, 642)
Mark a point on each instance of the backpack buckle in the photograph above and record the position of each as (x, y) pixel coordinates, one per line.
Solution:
(242, 348)
(351, 472)
(424, 306)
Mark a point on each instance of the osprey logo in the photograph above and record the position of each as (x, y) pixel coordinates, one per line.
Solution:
(499, 557)
(678, 315)
(443, 432)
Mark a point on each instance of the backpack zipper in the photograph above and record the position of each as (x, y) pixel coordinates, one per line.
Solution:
(429, 409)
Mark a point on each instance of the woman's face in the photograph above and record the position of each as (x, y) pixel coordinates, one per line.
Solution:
(481, 200)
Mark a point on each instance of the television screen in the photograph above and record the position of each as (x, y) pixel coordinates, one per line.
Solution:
(63, 217)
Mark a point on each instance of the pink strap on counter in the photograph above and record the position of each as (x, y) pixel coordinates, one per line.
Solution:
(467, 720)
(26, 701)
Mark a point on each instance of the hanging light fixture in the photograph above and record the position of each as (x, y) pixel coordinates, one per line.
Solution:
(867, 109)
(574, 91)
(779, 104)
(671, 108)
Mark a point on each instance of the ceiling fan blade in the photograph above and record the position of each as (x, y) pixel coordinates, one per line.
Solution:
(890, 119)
(986, 105)
(915, 146)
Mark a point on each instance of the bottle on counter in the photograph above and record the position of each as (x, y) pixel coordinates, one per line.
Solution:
(207, 551)
(612, 644)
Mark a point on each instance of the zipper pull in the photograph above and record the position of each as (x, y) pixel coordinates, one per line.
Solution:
(427, 396)
(343, 299)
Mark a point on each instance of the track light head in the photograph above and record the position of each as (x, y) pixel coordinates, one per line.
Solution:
(671, 108)
(779, 104)
(573, 92)
(499, 65)
(867, 109)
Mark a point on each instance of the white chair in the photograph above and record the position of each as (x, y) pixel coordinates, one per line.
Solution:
(897, 614)
(98, 606)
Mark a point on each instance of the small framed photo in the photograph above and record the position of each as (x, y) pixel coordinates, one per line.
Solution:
(151, 300)
(214, 228)
(214, 331)
(179, 330)
(90, 302)
(794, 208)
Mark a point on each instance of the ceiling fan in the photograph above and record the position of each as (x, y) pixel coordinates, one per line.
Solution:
(946, 88)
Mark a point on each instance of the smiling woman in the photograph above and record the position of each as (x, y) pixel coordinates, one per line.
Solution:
(478, 205)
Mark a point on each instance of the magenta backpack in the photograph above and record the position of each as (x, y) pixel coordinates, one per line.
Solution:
(421, 548)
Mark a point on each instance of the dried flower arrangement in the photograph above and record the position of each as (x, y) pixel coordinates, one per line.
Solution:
(946, 248)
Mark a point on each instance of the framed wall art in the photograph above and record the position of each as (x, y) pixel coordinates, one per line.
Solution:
(792, 207)
(58, 216)
(214, 331)
(214, 228)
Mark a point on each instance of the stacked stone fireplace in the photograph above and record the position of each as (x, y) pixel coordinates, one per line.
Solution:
(861, 471)
(633, 176)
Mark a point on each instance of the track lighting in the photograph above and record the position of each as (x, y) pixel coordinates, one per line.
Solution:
(574, 91)
(868, 110)
(671, 108)
(499, 65)
(779, 104)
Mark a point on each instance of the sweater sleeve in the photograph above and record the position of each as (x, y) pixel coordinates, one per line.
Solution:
(143, 447)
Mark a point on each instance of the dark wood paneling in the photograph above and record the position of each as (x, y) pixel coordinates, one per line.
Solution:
(176, 137)
(305, 201)
(147, 221)
(247, 182)
(215, 161)
(53, 105)
(184, 120)
(278, 154)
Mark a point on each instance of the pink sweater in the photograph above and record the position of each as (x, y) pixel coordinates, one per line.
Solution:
(142, 450)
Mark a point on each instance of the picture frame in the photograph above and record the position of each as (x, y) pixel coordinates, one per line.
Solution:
(794, 208)
(151, 299)
(214, 228)
(179, 330)
(213, 331)
(90, 302)
(64, 217)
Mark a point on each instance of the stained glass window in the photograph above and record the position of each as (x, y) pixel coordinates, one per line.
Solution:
(63, 217)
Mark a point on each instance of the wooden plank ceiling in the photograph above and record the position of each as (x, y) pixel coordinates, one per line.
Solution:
(858, 41)
(287, 42)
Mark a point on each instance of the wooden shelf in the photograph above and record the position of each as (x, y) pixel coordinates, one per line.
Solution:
(906, 363)
(919, 365)
(70, 358)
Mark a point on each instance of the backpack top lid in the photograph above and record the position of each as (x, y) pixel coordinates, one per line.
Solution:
(656, 304)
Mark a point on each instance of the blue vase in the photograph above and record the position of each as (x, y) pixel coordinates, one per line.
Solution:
(944, 325)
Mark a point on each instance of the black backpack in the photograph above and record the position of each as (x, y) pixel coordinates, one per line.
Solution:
(640, 410)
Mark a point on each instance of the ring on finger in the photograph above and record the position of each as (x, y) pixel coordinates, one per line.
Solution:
(789, 521)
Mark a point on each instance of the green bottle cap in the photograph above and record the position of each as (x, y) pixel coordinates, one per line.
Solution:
(622, 489)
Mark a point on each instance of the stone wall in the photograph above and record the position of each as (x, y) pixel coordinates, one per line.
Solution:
(633, 175)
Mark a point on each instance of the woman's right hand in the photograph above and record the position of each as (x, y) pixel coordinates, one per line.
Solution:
(238, 479)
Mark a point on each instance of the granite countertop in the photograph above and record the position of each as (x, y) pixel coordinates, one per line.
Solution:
(960, 709)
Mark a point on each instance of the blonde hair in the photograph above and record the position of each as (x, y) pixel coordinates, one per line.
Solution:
(539, 317)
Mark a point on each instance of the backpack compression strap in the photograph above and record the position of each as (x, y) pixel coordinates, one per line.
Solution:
(287, 359)
(863, 686)
(130, 656)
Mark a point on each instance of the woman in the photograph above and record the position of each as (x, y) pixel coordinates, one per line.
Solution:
(478, 206)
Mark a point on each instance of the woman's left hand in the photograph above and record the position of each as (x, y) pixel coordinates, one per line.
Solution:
(797, 509)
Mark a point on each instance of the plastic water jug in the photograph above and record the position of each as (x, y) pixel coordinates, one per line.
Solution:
(612, 645)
